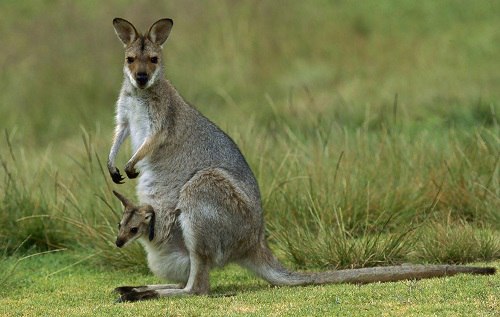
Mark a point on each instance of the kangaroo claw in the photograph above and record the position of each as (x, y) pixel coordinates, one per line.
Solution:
(116, 176)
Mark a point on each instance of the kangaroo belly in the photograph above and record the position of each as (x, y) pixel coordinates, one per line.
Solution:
(169, 262)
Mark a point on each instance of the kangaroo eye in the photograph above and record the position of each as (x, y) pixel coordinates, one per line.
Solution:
(119, 225)
(134, 230)
(154, 59)
(130, 60)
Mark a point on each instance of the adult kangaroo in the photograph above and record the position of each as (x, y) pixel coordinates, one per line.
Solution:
(200, 205)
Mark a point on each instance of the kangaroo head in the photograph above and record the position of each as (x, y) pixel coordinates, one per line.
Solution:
(143, 52)
(137, 221)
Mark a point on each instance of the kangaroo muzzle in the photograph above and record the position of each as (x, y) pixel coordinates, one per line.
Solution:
(141, 79)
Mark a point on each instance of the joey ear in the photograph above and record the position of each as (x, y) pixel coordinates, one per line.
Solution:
(125, 30)
(159, 31)
(151, 216)
(123, 199)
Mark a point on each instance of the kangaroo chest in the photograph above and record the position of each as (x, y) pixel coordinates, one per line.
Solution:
(139, 119)
(157, 178)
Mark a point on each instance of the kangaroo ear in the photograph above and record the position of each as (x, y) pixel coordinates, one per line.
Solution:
(125, 30)
(151, 216)
(125, 201)
(159, 31)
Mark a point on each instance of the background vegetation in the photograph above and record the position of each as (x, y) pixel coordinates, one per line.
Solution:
(372, 127)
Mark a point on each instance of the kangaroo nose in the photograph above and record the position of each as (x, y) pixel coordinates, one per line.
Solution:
(142, 78)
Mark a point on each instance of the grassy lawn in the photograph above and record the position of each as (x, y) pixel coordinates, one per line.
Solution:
(45, 286)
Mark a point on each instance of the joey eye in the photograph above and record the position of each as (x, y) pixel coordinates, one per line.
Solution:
(154, 60)
(130, 60)
(134, 230)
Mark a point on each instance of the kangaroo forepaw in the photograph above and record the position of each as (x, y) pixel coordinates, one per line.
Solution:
(131, 172)
(116, 176)
(134, 296)
(132, 175)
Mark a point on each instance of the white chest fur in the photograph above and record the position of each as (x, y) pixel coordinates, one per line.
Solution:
(137, 115)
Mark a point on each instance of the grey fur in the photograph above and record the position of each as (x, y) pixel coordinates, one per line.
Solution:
(205, 198)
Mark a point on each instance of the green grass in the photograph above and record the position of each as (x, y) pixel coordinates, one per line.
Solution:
(373, 130)
(54, 285)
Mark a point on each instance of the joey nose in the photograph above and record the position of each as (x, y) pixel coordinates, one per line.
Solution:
(142, 78)
(119, 243)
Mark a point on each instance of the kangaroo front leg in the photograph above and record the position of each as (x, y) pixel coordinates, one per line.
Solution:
(146, 148)
(121, 133)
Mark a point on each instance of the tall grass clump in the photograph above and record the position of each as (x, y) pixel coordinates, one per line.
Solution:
(26, 202)
(41, 209)
(352, 197)
(458, 242)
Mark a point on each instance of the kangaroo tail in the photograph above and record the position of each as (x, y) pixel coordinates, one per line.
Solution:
(265, 265)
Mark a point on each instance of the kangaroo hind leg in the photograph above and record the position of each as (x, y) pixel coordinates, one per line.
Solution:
(198, 284)
(217, 218)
